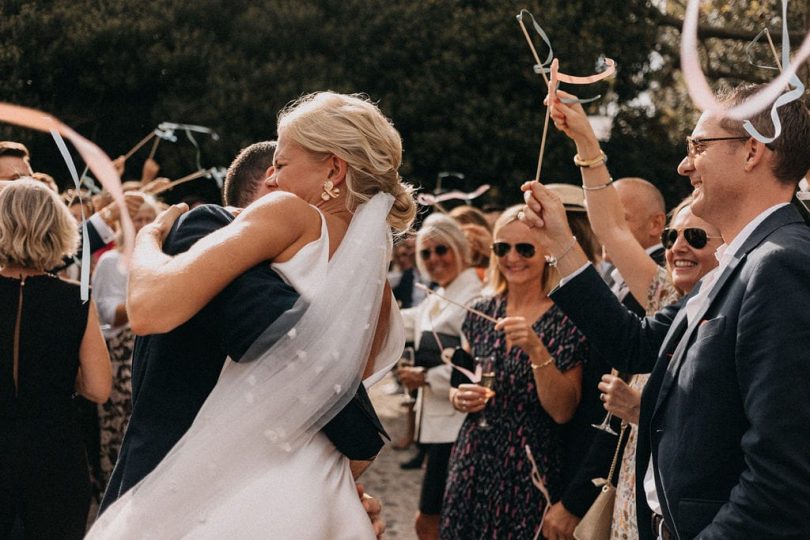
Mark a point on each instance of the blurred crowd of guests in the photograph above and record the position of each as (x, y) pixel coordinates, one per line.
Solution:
(510, 453)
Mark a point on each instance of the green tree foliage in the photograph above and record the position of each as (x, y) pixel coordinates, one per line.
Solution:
(455, 76)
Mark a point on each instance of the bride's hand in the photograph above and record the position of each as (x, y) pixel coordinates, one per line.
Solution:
(163, 223)
(373, 508)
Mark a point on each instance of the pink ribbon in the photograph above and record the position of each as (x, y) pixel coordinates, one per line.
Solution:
(698, 87)
(427, 199)
(95, 158)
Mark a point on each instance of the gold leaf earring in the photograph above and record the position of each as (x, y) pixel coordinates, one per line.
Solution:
(329, 191)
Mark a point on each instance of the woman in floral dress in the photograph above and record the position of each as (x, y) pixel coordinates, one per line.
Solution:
(538, 371)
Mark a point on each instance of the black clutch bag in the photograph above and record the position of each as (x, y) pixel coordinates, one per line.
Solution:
(429, 354)
(463, 359)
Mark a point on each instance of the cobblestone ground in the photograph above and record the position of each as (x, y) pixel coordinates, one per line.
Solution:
(398, 490)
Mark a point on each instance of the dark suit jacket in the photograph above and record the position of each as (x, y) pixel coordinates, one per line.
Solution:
(589, 451)
(173, 373)
(725, 413)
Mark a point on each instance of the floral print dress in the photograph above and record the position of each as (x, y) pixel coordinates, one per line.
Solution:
(489, 491)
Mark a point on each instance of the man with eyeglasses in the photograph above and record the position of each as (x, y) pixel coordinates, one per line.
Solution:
(723, 448)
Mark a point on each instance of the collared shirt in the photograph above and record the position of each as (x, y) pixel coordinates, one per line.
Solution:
(104, 231)
(724, 254)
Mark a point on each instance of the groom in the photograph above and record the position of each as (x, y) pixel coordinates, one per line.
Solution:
(173, 373)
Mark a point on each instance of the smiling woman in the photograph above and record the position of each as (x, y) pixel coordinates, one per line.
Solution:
(687, 259)
(538, 357)
(433, 325)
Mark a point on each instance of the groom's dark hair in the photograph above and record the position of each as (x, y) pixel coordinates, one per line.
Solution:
(245, 173)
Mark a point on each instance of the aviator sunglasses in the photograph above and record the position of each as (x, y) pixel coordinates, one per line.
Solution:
(501, 249)
(439, 250)
(695, 237)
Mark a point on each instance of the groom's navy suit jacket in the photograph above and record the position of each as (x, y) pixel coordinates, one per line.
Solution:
(173, 373)
(725, 414)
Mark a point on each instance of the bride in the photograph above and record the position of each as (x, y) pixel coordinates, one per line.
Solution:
(254, 463)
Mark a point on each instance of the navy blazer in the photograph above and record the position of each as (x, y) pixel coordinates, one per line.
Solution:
(725, 413)
(173, 373)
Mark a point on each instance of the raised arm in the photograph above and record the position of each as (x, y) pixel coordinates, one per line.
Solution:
(605, 210)
(166, 291)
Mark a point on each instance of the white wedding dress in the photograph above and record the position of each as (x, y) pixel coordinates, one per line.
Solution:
(254, 464)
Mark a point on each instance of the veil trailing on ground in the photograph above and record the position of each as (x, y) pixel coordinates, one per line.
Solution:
(266, 407)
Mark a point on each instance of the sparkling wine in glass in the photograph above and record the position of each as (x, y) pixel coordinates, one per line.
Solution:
(605, 425)
(487, 365)
(408, 359)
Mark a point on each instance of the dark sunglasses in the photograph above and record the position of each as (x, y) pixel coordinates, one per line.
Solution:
(439, 250)
(697, 238)
(501, 249)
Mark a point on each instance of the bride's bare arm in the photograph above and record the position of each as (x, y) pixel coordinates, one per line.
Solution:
(605, 210)
(165, 291)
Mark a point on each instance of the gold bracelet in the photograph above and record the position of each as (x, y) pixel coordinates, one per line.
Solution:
(535, 367)
(598, 187)
(588, 163)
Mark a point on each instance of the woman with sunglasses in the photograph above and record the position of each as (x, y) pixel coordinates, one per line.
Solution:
(443, 255)
(689, 244)
(538, 359)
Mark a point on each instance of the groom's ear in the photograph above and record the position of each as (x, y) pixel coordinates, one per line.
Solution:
(337, 170)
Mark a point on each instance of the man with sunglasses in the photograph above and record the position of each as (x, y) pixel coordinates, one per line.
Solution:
(723, 448)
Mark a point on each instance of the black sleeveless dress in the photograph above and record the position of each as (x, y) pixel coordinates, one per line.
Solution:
(43, 467)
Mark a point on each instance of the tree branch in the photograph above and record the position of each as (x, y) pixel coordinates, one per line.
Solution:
(737, 34)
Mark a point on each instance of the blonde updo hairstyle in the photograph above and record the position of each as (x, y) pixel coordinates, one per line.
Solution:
(355, 130)
(36, 228)
(445, 230)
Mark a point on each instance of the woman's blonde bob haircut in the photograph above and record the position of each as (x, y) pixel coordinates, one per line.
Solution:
(353, 129)
(443, 230)
(36, 229)
(497, 281)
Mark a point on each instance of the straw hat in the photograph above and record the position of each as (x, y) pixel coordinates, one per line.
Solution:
(573, 198)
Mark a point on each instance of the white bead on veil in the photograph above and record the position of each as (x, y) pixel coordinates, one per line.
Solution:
(264, 413)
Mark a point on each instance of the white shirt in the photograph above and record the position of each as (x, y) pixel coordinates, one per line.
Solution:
(104, 231)
(109, 290)
(437, 420)
(725, 253)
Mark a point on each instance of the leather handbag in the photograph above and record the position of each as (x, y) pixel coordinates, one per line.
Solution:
(595, 524)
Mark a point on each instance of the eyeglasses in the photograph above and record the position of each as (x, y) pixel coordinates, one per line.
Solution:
(694, 145)
(695, 237)
(501, 249)
(439, 250)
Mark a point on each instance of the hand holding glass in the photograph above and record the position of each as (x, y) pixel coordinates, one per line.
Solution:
(605, 425)
(407, 360)
(487, 367)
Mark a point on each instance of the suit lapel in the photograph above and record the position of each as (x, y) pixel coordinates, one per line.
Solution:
(674, 360)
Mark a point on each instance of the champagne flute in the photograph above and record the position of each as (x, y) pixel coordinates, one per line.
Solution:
(487, 365)
(605, 425)
(408, 359)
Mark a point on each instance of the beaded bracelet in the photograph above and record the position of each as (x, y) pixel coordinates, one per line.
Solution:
(535, 367)
(552, 261)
